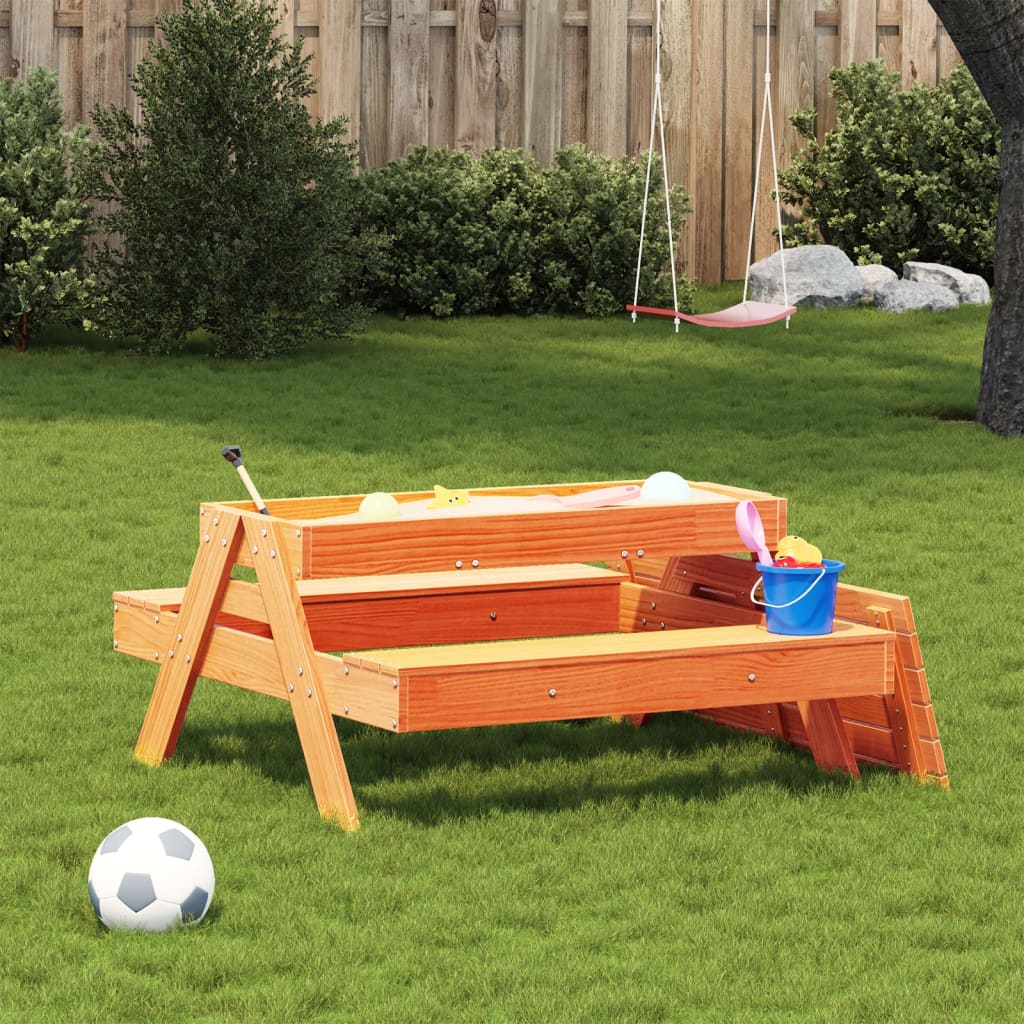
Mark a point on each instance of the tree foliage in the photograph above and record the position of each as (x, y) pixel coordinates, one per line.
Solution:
(44, 218)
(904, 175)
(230, 209)
(500, 234)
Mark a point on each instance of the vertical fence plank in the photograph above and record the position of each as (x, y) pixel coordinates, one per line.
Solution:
(375, 79)
(341, 61)
(677, 99)
(576, 39)
(285, 11)
(888, 35)
(441, 74)
(31, 36)
(709, 64)
(607, 93)
(476, 56)
(740, 93)
(918, 43)
(70, 74)
(104, 46)
(409, 55)
(795, 45)
(858, 30)
(542, 78)
(509, 75)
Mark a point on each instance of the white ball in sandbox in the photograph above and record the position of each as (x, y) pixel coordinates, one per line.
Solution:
(378, 506)
(665, 486)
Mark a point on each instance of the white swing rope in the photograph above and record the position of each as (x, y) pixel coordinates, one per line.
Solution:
(657, 113)
(766, 109)
(766, 117)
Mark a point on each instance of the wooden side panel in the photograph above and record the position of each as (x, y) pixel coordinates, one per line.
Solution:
(579, 535)
(649, 608)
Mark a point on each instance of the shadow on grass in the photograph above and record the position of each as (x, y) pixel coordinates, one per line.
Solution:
(555, 766)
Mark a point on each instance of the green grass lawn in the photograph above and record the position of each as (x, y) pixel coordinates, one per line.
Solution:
(549, 873)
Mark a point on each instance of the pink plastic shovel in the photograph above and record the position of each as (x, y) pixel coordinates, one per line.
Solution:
(751, 531)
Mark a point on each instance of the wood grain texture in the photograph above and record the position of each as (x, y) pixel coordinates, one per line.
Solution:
(476, 74)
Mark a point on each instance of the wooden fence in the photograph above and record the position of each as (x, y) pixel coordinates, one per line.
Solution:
(537, 74)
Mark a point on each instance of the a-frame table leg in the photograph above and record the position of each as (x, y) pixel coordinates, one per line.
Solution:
(296, 654)
(211, 570)
(827, 735)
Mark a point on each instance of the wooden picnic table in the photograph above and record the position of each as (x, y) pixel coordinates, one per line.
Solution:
(524, 604)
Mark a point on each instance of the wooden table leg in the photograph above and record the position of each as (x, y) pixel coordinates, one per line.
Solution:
(297, 657)
(179, 668)
(826, 733)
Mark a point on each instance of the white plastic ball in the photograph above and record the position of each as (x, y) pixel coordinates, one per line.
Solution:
(665, 486)
(378, 506)
(151, 874)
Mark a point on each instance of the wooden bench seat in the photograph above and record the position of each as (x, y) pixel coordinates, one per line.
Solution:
(354, 612)
(453, 686)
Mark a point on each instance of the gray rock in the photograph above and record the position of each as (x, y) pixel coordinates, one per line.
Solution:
(969, 288)
(902, 296)
(816, 275)
(873, 277)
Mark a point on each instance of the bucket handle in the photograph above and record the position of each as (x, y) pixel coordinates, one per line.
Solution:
(759, 582)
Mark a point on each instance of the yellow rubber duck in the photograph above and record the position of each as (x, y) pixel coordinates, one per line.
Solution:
(443, 498)
(798, 549)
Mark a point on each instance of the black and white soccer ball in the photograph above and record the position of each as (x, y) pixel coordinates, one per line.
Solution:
(151, 874)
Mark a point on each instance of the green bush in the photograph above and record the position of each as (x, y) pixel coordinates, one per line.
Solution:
(232, 211)
(905, 175)
(499, 234)
(44, 219)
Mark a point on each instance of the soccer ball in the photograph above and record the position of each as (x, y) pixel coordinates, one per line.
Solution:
(151, 874)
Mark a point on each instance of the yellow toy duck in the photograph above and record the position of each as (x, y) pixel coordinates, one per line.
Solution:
(799, 550)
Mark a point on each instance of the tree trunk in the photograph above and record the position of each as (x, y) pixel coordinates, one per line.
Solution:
(990, 37)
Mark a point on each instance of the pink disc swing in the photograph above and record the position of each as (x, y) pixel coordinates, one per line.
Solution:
(747, 313)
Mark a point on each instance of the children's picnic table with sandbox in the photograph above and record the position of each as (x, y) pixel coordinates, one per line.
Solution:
(520, 604)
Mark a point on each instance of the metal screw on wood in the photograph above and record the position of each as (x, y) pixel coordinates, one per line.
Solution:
(751, 677)
(552, 692)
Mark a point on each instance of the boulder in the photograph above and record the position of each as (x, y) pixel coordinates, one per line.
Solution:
(873, 277)
(816, 275)
(901, 296)
(969, 288)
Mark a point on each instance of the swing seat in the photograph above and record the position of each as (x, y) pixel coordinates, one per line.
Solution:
(743, 314)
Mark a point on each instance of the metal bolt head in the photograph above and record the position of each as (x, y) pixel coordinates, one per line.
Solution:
(751, 677)
(624, 554)
(394, 684)
(494, 616)
(476, 563)
(552, 692)
(458, 564)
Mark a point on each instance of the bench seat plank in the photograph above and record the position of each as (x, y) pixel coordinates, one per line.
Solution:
(455, 686)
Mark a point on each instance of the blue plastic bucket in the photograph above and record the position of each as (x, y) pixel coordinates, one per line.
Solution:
(799, 601)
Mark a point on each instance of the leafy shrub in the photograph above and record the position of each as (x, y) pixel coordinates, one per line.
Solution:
(905, 175)
(232, 211)
(44, 219)
(499, 234)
